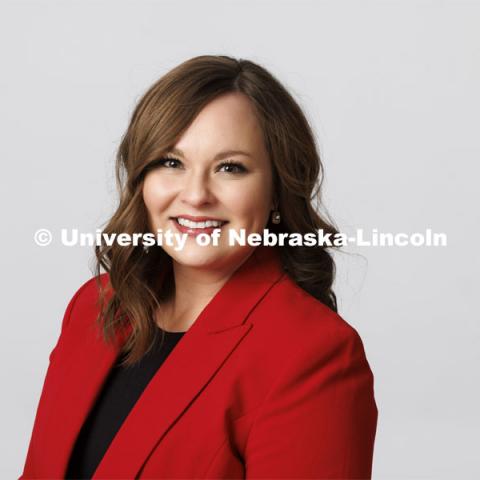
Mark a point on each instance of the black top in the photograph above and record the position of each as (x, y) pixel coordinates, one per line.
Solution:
(121, 390)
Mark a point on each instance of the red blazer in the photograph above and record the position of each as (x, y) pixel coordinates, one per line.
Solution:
(267, 383)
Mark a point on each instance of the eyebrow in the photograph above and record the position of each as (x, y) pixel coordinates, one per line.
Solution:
(218, 156)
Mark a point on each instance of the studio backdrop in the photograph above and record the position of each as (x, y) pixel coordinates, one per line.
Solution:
(390, 89)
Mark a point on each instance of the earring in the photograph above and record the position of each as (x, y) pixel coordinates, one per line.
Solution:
(146, 249)
(276, 217)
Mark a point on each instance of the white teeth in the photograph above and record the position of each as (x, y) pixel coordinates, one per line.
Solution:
(190, 224)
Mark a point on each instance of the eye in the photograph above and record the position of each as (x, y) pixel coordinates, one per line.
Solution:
(233, 167)
(168, 162)
(172, 163)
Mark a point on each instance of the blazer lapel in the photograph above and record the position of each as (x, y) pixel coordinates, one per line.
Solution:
(218, 329)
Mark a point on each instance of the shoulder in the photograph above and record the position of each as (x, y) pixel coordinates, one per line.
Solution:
(81, 310)
(84, 301)
(303, 317)
(293, 327)
(89, 290)
(304, 339)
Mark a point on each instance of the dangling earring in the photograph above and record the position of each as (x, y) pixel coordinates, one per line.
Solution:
(276, 217)
(146, 249)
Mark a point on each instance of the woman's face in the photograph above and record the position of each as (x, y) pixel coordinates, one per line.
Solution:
(206, 181)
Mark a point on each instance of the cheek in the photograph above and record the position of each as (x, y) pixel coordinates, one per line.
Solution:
(155, 193)
(251, 200)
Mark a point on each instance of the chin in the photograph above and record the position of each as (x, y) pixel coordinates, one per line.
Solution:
(197, 256)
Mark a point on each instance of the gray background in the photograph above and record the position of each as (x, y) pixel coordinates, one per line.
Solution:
(391, 89)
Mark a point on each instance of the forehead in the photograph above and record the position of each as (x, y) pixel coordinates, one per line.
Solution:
(227, 122)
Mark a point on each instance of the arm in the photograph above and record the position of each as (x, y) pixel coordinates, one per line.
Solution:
(32, 457)
(319, 417)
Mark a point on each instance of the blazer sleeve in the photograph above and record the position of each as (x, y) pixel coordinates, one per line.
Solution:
(319, 418)
(29, 465)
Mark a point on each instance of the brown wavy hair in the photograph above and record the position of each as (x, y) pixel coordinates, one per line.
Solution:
(139, 282)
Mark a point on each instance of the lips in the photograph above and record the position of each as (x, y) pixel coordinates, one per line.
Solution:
(192, 229)
(198, 219)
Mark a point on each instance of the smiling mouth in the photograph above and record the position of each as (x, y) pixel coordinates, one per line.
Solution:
(190, 224)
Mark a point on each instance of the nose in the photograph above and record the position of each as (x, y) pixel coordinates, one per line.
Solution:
(196, 189)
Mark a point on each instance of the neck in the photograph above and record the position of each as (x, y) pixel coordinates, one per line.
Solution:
(195, 287)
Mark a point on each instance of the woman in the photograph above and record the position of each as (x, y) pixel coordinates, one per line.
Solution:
(260, 377)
